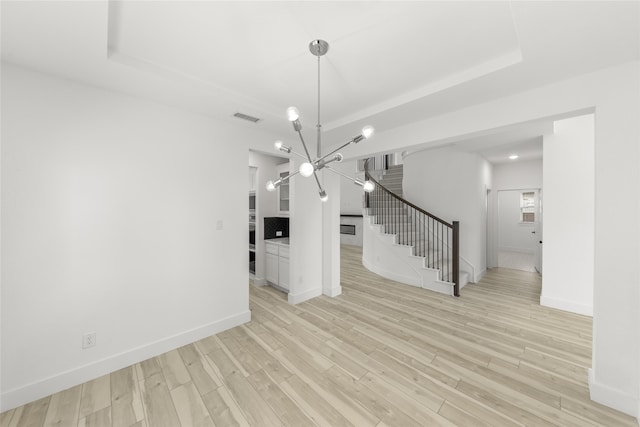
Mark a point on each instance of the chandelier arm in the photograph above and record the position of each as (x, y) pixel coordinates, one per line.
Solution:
(336, 150)
(341, 174)
(298, 154)
(315, 175)
(286, 178)
(305, 147)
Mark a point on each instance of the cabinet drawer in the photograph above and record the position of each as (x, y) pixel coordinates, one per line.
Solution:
(272, 249)
(284, 252)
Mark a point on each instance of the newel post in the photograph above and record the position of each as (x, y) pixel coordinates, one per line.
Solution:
(456, 258)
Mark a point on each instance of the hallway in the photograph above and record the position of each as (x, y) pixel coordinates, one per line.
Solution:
(516, 261)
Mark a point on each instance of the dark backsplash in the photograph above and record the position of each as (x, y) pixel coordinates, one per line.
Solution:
(273, 224)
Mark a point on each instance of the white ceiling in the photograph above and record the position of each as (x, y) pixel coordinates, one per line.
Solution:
(524, 140)
(389, 63)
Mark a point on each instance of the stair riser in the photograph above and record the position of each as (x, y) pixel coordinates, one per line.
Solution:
(389, 207)
(393, 172)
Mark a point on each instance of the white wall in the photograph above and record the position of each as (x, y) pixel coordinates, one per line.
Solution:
(350, 193)
(567, 282)
(119, 217)
(517, 175)
(613, 93)
(331, 235)
(452, 185)
(306, 240)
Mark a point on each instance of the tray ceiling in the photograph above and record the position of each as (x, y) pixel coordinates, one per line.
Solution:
(389, 62)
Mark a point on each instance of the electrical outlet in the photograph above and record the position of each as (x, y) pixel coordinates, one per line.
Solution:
(89, 340)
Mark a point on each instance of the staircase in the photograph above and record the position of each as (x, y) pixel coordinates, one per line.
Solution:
(391, 179)
(404, 243)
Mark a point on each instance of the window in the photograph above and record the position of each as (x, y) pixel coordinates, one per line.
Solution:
(527, 207)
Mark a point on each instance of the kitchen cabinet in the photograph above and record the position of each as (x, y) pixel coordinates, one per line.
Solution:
(277, 264)
(283, 189)
(252, 219)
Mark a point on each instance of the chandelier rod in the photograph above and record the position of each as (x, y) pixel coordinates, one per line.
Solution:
(319, 126)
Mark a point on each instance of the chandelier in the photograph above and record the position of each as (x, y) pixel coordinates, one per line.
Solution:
(310, 167)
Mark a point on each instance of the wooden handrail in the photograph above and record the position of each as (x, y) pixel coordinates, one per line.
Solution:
(404, 201)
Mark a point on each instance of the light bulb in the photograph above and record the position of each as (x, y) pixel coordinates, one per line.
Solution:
(292, 114)
(306, 169)
(368, 131)
(281, 147)
(323, 196)
(368, 186)
(270, 186)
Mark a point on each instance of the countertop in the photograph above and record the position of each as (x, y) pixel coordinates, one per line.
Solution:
(280, 241)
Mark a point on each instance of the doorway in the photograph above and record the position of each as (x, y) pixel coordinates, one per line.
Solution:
(518, 225)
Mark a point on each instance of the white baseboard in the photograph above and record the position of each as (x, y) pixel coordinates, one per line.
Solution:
(613, 398)
(564, 305)
(516, 249)
(64, 380)
(260, 281)
(333, 292)
(479, 275)
(303, 296)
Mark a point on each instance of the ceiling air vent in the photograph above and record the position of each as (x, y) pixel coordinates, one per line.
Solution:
(246, 117)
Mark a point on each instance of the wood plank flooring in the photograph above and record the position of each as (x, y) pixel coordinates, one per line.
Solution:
(381, 354)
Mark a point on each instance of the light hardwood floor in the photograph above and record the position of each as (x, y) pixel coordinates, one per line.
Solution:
(381, 354)
(517, 261)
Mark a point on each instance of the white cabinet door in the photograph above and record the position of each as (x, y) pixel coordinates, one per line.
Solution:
(283, 189)
(272, 268)
(283, 268)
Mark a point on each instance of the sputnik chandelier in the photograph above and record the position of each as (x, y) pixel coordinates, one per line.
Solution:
(310, 167)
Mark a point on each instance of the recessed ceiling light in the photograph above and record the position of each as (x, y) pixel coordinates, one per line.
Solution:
(513, 156)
